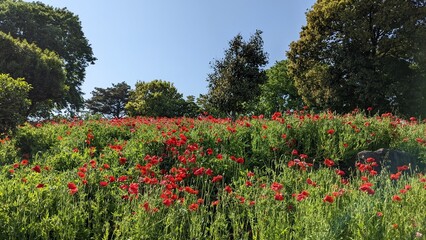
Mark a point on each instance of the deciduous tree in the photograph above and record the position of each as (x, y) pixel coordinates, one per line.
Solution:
(14, 102)
(56, 29)
(362, 53)
(278, 93)
(42, 69)
(156, 99)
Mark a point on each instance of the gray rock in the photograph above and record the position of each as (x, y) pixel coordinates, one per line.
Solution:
(389, 159)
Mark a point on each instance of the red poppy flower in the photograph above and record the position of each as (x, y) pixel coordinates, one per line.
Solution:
(133, 188)
(209, 151)
(276, 186)
(329, 162)
(199, 171)
(24, 162)
(396, 198)
(193, 207)
(395, 176)
(167, 202)
(72, 187)
(279, 197)
(328, 199)
(215, 203)
(228, 189)
(331, 131)
(217, 178)
(310, 182)
(40, 185)
(103, 183)
(36, 169)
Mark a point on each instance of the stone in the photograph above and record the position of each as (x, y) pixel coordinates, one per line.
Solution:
(389, 159)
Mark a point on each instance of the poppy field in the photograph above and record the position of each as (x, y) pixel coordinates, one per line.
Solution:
(294, 175)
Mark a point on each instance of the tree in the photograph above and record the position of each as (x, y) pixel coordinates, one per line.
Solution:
(156, 99)
(14, 102)
(362, 53)
(110, 101)
(58, 30)
(278, 93)
(236, 78)
(42, 69)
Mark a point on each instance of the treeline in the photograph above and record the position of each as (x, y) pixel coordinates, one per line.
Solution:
(351, 54)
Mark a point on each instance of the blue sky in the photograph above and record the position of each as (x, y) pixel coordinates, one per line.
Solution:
(175, 40)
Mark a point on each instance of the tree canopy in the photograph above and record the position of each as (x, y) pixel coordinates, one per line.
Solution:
(42, 69)
(110, 101)
(236, 78)
(14, 102)
(157, 98)
(58, 30)
(362, 53)
(278, 93)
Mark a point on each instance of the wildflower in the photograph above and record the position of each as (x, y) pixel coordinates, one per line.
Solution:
(379, 214)
(215, 203)
(217, 178)
(36, 169)
(279, 197)
(199, 171)
(103, 183)
(331, 131)
(228, 189)
(193, 207)
(24, 162)
(122, 160)
(209, 151)
(310, 182)
(250, 174)
(396, 198)
(40, 185)
(340, 172)
(328, 199)
(276, 186)
(329, 162)
(402, 168)
(249, 184)
(167, 202)
(133, 188)
(72, 187)
(395, 176)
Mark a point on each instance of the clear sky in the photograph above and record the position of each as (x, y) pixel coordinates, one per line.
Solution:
(175, 40)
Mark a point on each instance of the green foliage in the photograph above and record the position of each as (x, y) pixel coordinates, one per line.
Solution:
(58, 30)
(236, 79)
(157, 99)
(278, 93)
(110, 101)
(42, 69)
(107, 159)
(362, 54)
(14, 102)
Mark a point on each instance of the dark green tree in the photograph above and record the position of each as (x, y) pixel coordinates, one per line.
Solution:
(110, 101)
(156, 99)
(362, 53)
(42, 69)
(58, 30)
(14, 102)
(278, 93)
(236, 78)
